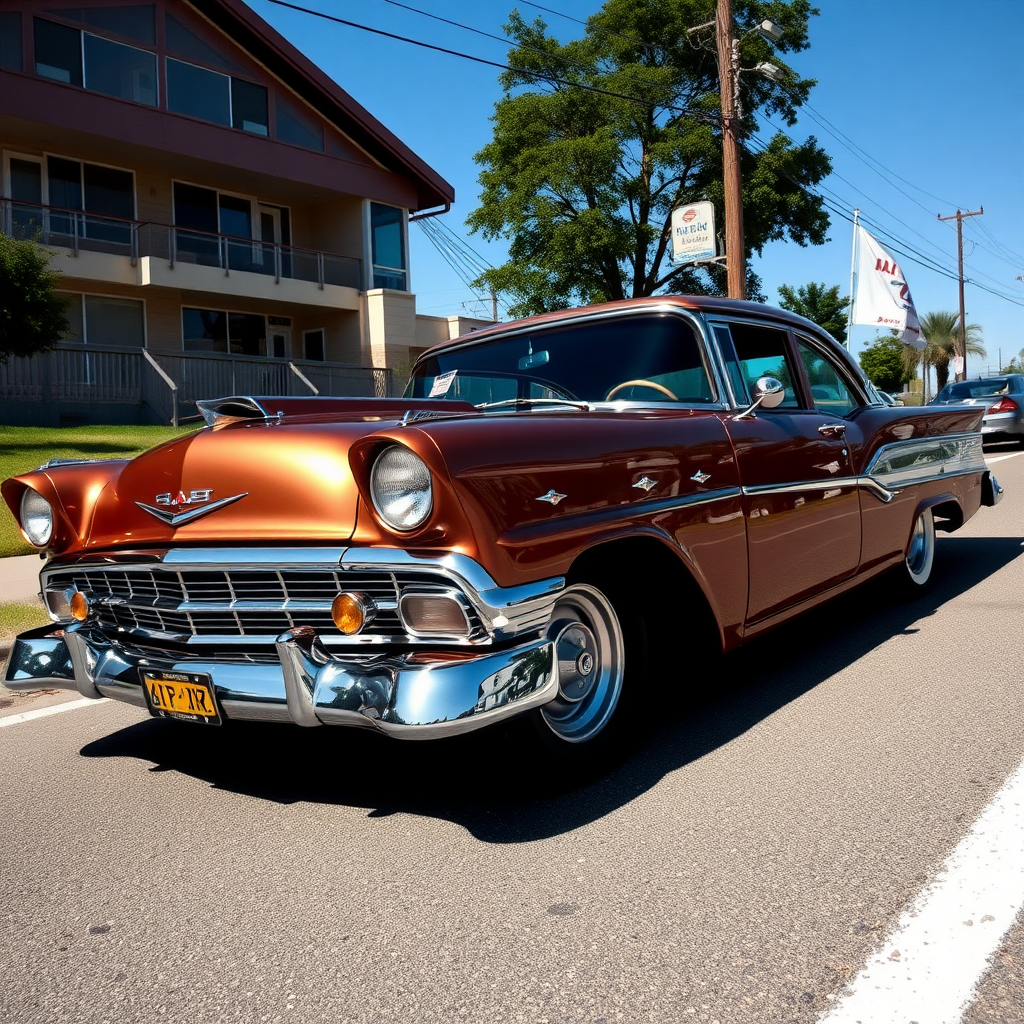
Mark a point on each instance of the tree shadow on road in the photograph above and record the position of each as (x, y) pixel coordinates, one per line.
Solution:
(486, 783)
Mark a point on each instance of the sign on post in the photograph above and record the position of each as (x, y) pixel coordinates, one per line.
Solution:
(693, 232)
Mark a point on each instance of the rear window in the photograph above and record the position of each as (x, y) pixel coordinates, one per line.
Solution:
(976, 388)
(656, 358)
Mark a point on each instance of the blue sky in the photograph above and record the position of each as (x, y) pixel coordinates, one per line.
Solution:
(928, 93)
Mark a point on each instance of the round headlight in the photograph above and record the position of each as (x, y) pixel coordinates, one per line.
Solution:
(36, 518)
(400, 488)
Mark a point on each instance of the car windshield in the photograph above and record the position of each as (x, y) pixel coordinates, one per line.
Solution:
(654, 358)
(974, 389)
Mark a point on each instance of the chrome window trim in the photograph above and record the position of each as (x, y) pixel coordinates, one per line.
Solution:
(705, 345)
(728, 320)
(859, 390)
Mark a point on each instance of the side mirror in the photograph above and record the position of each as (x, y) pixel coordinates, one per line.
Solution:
(767, 392)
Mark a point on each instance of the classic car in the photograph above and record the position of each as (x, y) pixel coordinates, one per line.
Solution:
(552, 501)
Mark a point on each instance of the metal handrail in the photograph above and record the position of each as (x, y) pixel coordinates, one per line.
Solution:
(135, 227)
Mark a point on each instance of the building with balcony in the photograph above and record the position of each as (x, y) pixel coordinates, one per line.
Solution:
(210, 195)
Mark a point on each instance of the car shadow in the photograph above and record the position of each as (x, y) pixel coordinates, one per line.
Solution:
(485, 783)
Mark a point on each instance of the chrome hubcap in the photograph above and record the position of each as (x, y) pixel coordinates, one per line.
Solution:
(919, 550)
(589, 649)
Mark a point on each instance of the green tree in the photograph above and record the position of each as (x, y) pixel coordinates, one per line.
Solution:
(885, 363)
(583, 181)
(819, 304)
(32, 316)
(1015, 365)
(941, 331)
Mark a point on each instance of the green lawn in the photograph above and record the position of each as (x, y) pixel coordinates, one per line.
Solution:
(17, 616)
(25, 448)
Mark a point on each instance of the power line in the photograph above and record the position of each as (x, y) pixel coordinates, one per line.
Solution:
(697, 114)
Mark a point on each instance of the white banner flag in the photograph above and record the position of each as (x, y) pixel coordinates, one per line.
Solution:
(881, 297)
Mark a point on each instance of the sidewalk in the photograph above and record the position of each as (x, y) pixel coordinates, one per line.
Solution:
(19, 578)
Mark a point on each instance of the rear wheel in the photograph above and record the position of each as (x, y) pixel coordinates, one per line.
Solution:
(916, 570)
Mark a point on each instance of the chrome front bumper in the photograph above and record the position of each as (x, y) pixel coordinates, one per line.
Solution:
(413, 695)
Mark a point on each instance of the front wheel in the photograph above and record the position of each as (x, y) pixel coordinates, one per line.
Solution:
(590, 651)
(600, 646)
(916, 570)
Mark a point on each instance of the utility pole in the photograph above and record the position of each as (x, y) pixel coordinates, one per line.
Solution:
(728, 78)
(959, 218)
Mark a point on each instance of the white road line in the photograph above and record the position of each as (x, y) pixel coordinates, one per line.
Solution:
(928, 968)
(53, 709)
(999, 458)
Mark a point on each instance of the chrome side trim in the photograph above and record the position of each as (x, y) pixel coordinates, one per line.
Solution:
(872, 486)
(906, 462)
(835, 483)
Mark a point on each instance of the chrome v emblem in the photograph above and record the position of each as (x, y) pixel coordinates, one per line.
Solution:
(172, 518)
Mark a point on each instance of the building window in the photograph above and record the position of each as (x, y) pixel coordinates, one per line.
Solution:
(106, 195)
(115, 69)
(106, 321)
(182, 40)
(101, 65)
(11, 57)
(387, 235)
(136, 22)
(249, 107)
(215, 330)
(294, 125)
(198, 93)
(211, 96)
(58, 52)
(313, 345)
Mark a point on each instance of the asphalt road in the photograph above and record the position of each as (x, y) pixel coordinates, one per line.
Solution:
(742, 866)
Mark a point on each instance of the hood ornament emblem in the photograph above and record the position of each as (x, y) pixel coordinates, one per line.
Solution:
(645, 483)
(701, 477)
(176, 510)
(552, 497)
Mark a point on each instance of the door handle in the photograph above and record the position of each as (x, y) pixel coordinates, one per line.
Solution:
(835, 429)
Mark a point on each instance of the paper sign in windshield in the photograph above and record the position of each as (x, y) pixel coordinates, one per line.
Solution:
(442, 384)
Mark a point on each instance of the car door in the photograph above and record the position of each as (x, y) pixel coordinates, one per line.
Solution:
(801, 498)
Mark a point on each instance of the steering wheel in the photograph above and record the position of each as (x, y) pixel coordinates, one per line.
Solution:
(642, 383)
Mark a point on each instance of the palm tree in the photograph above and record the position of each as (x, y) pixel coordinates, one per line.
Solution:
(942, 332)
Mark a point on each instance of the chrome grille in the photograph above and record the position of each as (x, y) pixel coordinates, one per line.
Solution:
(238, 602)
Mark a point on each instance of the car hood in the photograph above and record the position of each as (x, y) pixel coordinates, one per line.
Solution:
(281, 481)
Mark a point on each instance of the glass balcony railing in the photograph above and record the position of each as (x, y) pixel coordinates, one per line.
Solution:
(78, 230)
(69, 229)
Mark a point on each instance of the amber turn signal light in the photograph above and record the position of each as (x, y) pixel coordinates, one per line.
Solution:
(351, 612)
(79, 606)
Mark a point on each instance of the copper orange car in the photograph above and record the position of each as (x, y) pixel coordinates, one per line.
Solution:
(552, 501)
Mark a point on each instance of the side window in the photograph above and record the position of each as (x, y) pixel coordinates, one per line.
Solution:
(751, 352)
(829, 391)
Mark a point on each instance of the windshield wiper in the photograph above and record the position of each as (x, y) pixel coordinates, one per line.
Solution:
(585, 406)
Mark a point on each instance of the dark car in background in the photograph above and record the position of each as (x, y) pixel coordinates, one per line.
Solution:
(1004, 397)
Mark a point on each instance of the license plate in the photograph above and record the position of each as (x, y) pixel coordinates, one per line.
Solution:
(185, 695)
